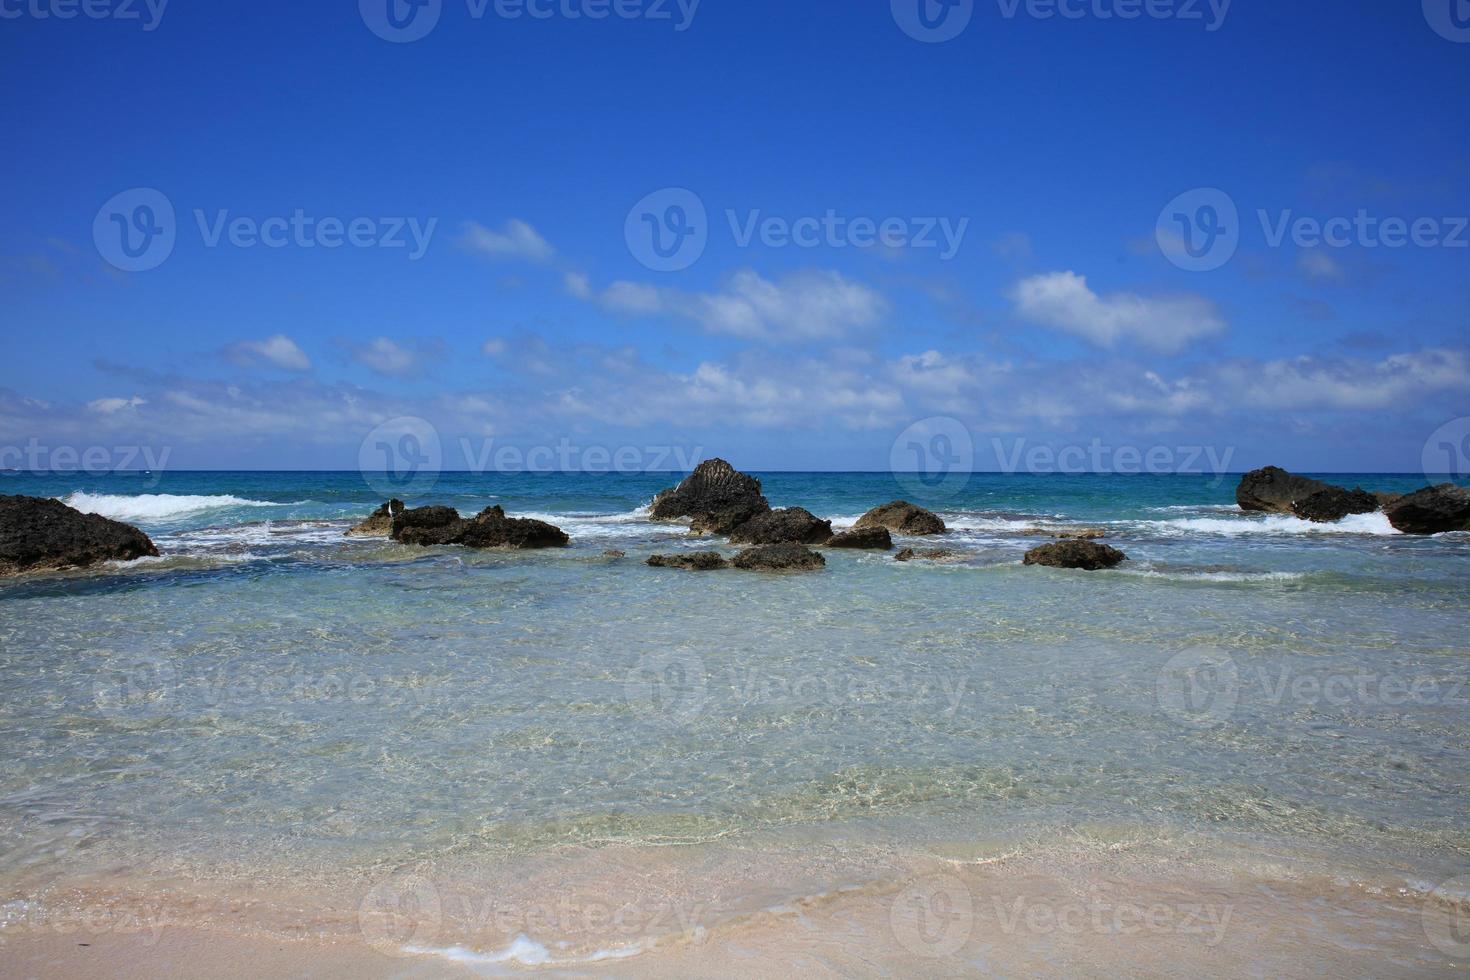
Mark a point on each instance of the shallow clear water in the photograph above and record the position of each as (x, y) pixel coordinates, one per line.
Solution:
(273, 702)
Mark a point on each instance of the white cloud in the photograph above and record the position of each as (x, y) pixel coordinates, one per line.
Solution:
(1063, 301)
(800, 307)
(493, 347)
(107, 406)
(387, 357)
(1318, 265)
(578, 284)
(515, 240)
(1314, 383)
(278, 350)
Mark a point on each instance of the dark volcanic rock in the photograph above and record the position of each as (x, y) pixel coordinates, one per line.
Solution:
(1065, 533)
(1333, 504)
(1432, 510)
(863, 537)
(488, 529)
(1274, 491)
(39, 533)
(716, 497)
(379, 523)
(793, 525)
(1075, 554)
(902, 517)
(698, 561)
(779, 558)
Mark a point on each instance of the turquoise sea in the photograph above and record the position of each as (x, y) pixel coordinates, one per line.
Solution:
(272, 709)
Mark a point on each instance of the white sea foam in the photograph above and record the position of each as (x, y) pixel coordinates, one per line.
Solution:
(1215, 576)
(1272, 524)
(523, 951)
(155, 506)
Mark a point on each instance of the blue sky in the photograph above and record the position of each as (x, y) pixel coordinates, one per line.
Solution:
(1023, 294)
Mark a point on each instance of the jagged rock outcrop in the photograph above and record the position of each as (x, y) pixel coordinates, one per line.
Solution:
(716, 497)
(875, 538)
(697, 561)
(379, 523)
(902, 517)
(1432, 510)
(1273, 490)
(779, 558)
(1333, 504)
(1088, 555)
(38, 533)
(791, 525)
(490, 528)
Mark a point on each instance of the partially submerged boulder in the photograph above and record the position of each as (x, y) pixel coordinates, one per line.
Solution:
(1070, 533)
(1432, 510)
(490, 528)
(379, 523)
(902, 517)
(876, 538)
(932, 554)
(792, 525)
(695, 561)
(1273, 490)
(38, 533)
(1333, 504)
(1088, 555)
(779, 558)
(716, 497)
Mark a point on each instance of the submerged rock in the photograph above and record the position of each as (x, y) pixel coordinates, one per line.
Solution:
(779, 558)
(716, 497)
(379, 523)
(1273, 490)
(932, 554)
(38, 533)
(876, 538)
(488, 529)
(1432, 510)
(1087, 555)
(1070, 534)
(902, 517)
(793, 525)
(697, 561)
(1333, 504)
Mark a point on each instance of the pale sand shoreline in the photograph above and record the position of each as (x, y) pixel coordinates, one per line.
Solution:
(1106, 914)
